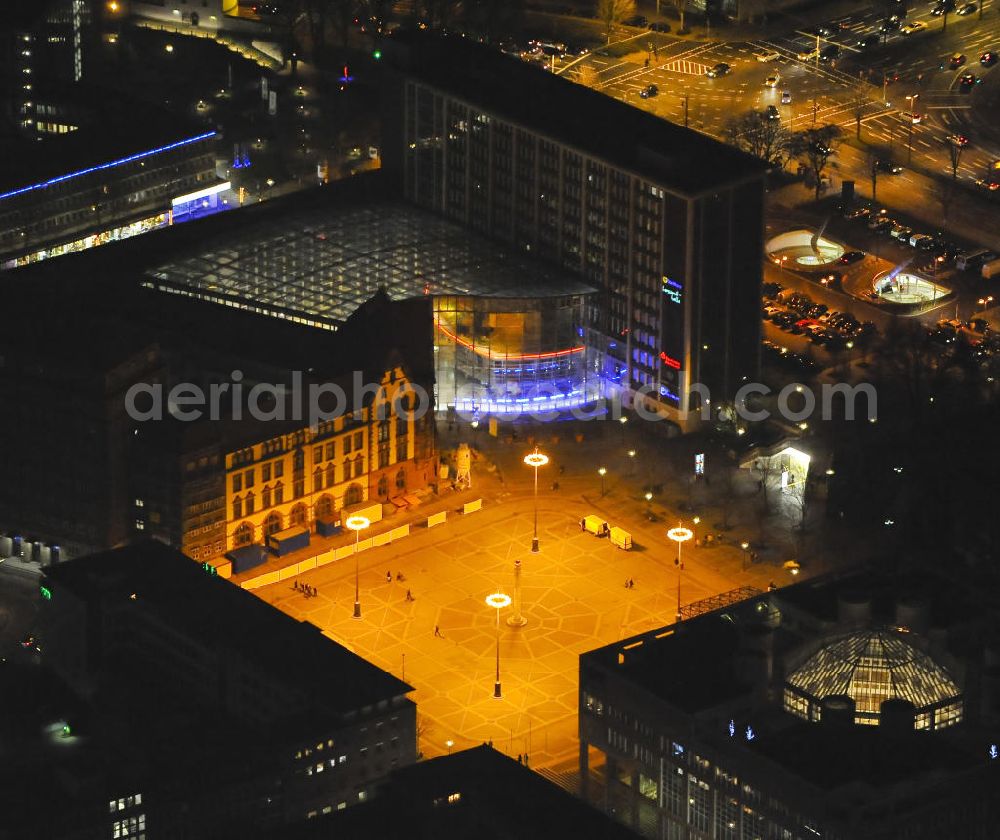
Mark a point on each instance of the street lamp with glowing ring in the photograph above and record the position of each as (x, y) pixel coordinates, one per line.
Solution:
(498, 600)
(357, 524)
(679, 535)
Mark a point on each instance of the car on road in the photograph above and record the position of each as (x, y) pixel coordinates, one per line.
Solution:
(967, 81)
(806, 55)
(649, 91)
(768, 55)
(956, 61)
(868, 42)
(829, 52)
(786, 97)
(882, 165)
(943, 6)
(913, 28)
(772, 81)
(771, 112)
(988, 59)
(850, 257)
(890, 24)
(720, 69)
(912, 117)
(659, 26)
(822, 30)
(991, 185)
(959, 140)
(967, 9)
(857, 212)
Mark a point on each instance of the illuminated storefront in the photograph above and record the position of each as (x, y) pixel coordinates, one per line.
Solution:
(510, 355)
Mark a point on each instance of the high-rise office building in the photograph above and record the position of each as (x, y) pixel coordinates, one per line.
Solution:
(667, 223)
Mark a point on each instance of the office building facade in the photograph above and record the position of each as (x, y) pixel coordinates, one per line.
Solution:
(665, 223)
(836, 708)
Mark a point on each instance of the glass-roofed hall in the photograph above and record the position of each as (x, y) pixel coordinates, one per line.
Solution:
(871, 667)
(510, 332)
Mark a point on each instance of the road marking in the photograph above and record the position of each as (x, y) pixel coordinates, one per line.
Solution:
(689, 68)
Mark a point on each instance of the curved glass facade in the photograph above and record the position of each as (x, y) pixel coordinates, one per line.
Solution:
(512, 355)
(871, 667)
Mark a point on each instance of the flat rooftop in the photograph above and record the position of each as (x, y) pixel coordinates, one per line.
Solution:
(219, 615)
(325, 253)
(668, 154)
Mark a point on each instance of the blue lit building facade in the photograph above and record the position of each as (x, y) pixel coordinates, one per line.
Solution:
(666, 224)
(103, 200)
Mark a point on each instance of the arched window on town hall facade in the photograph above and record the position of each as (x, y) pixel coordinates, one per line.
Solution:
(243, 535)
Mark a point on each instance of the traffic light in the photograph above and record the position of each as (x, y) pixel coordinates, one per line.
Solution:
(377, 55)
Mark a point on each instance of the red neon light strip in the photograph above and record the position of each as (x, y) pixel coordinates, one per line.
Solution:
(509, 356)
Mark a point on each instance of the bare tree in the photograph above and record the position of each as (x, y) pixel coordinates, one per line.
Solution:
(954, 156)
(766, 469)
(814, 147)
(755, 133)
(586, 75)
(681, 6)
(342, 14)
(613, 12)
(860, 99)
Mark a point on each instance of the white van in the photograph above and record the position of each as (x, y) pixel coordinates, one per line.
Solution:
(595, 524)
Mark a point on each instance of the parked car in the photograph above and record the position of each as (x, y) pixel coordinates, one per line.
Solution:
(659, 26)
(880, 224)
(635, 20)
(901, 232)
(850, 257)
(860, 212)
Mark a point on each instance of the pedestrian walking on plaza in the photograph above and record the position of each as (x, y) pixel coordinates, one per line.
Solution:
(388, 577)
(520, 758)
(437, 632)
(525, 759)
(409, 595)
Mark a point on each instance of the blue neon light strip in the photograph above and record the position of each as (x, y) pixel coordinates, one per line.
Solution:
(129, 159)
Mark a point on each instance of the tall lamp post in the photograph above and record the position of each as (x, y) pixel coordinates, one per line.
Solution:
(356, 524)
(623, 420)
(746, 553)
(679, 535)
(498, 601)
(536, 459)
(602, 472)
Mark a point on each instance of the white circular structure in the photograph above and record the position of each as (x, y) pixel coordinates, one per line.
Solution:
(498, 600)
(357, 523)
(803, 248)
(536, 459)
(906, 288)
(680, 534)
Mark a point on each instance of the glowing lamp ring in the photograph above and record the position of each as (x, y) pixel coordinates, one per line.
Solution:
(536, 459)
(498, 600)
(679, 534)
(357, 523)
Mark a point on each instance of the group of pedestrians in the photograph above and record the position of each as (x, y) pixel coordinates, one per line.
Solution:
(629, 583)
(306, 589)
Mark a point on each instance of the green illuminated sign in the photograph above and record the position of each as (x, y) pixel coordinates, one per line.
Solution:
(46, 593)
